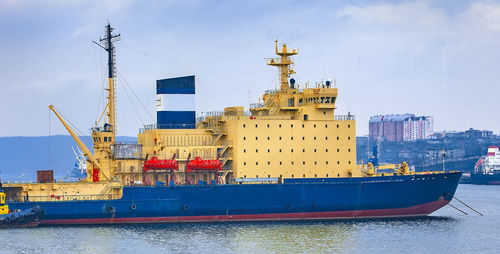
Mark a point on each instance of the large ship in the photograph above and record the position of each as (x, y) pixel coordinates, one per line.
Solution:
(290, 158)
(487, 168)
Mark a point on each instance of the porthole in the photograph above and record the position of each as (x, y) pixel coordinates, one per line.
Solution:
(256, 126)
(268, 126)
(186, 207)
(244, 125)
(337, 125)
(132, 206)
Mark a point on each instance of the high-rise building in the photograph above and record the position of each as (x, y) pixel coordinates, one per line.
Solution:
(400, 127)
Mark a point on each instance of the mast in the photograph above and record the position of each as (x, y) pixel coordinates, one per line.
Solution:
(107, 44)
(284, 63)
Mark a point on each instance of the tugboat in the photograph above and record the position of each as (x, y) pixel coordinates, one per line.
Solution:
(27, 218)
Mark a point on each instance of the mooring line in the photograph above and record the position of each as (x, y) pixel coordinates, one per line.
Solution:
(458, 209)
(468, 206)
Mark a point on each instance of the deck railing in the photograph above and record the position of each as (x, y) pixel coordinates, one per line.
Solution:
(60, 198)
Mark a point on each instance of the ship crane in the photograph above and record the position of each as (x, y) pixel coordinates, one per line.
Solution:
(80, 144)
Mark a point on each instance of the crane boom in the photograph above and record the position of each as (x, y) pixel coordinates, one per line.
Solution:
(82, 146)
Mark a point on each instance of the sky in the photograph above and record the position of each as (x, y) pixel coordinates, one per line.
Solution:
(438, 58)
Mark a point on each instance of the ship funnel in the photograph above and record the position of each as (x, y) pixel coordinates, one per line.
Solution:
(175, 103)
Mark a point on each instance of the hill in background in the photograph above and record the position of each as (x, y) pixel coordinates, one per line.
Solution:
(22, 156)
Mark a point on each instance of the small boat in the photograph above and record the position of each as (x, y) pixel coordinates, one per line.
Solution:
(30, 217)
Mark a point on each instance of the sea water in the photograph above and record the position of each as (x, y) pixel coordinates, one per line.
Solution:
(445, 231)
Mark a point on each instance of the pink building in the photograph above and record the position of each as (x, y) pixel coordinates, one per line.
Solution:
(400, 127)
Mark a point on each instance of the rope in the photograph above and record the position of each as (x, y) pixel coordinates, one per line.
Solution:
(468, 206)
(137, 97)
(458, 209)
(89, 141)
(130, 99)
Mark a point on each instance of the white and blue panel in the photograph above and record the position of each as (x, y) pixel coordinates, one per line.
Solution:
(175, 103)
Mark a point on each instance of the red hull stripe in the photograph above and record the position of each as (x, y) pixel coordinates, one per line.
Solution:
(419, 210)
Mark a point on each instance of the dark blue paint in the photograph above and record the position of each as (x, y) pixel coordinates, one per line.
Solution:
(176, 119)
(180, 85)
(297, 195)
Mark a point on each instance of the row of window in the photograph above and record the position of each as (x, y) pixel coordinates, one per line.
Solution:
(291, 150)
(303, 175)
(291, 126)
(303, 163)
(291, 138)
(106, 139)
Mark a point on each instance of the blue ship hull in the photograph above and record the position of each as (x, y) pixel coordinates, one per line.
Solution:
(485, 179)
(295, 199)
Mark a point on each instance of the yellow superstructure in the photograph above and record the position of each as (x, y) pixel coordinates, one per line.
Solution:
(294, 132)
